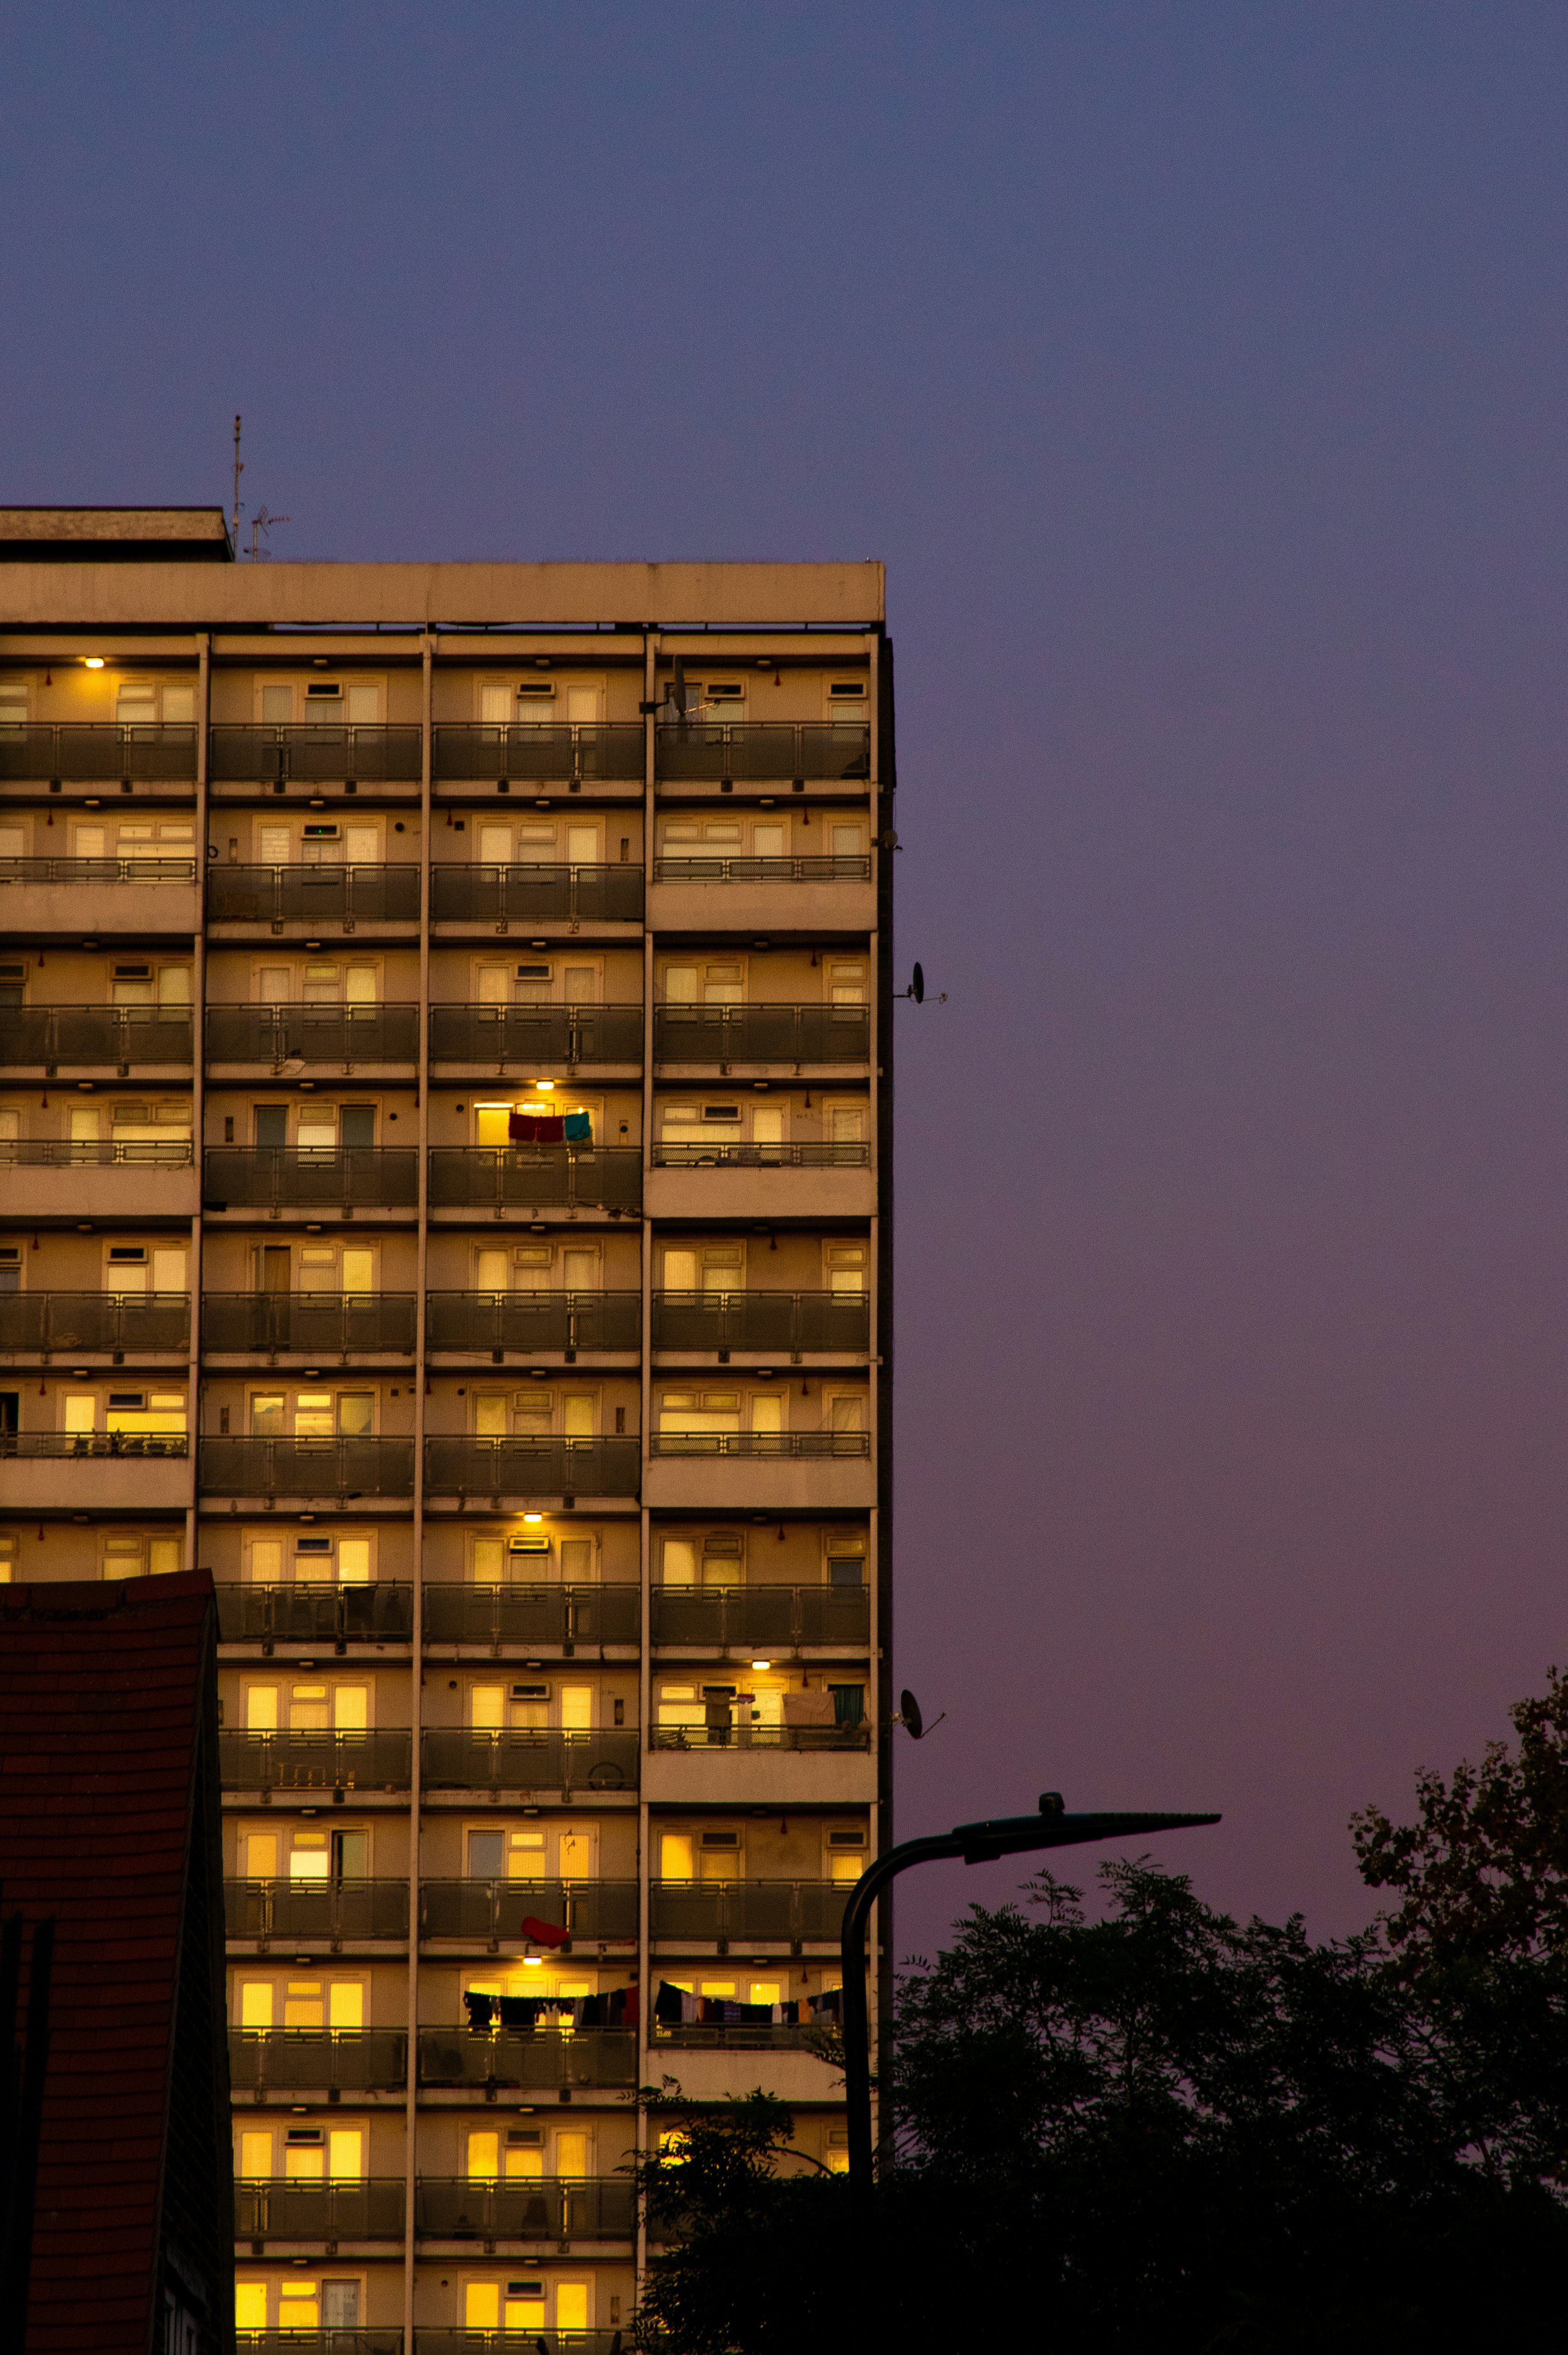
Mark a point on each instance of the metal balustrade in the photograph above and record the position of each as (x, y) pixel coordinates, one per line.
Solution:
(705, 1912)
(297, 1760)
(845, 869)
(537, 2208)
(77, 872)
(383, 2340)
(36, 1447)
(494, 1034)
(281, 1176)
(92, 751)
(762, 1034)
(736, 2036)
(791, 1446)
(719, 1735)
(334, 1910)
(532, 1615)
(539, 2057)
(313, 1323)
(53, 1036)
(344, 895)
(536, 1178)
(377, 1612)
(264, 2060)
(792, 1321)
(129, 1324)
(538, 892)
(702, 1156)
(306, 1467)
(449, 2339)
(768, 750)
(464, 1758)
(488, 1321)
(276, 1035)
(487, 1911)
(173, 1152)
(500, 1468)
(783, 1617)
(288, 2209)
(590, 750)
(312, 752)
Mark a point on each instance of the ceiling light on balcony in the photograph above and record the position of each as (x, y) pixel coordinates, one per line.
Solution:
(544, 1084)
(532, 1961)
(532, 1517)
(762, 1664)
(93, 661)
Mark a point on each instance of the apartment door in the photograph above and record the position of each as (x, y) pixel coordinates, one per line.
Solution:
(579, 1854)
(582, 846)
(580, 1272)
(494, 846)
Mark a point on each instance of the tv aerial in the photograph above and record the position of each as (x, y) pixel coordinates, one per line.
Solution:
(262, 520)
(917, 990)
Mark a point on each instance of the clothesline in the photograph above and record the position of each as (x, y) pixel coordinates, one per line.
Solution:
(674, 2006)
(617, 2009)
(550, 1128)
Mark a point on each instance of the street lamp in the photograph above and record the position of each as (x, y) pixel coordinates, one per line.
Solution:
(976, 1844)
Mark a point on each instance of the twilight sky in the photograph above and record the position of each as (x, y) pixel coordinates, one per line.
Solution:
(1199, 370)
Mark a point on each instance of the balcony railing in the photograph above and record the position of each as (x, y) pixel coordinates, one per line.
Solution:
(450, 2339)
(494, 1034)
(268, 2059)
(535, 1467)
(791, 1444)
(537, 2057)
(767, 750)
(77, 872)
(313, 1034)
(333, 1910)
(316, 1324)
(461, 1758)
(800, 1911)
(525, 894)
(762, 1034)
(779, 1615)
(479, 1321)
(592, 750)
(94, 1320)
(379, 1761)
(95, 1153)
(283, 1177)
(374, 1614)
(91, 751)
(735, 2036)
(795, 1321)
(854, 868)
(486, 1912)
(56, 1035)
(532, 1615)
(721, 1736)
(545, 2207)
(536, 1178)
(306, 1467)
(702, 1156)
(335, 895)
(39, 1445)
(384, 2340)
(371, 2210)
(312, 754)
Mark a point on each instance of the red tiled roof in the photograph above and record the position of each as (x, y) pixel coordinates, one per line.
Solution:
(102, 1697)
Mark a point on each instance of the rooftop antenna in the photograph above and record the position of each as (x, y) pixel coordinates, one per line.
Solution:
(239, 470)
(263, 521)
(917, 990)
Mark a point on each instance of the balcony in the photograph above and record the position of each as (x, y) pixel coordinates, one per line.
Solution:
(450, 2339)
(498, 897)
(277, 2059)
(490, 1323)
(341, 1035)
(384, 2340)
(761, 1738)
(136, 897)
(704, 1179)
(762, 871)
(532, 1467)
(611, 751)
(124, 1446)
(775, 1912)
(278, 1176)
(797, 1035)
(370, 2210)
(542, 2058)
(95, 1177)
(96, 752)
(309, 1323)
(735, 2036)
(494, 1036)
(710, 895)
(95, 1323)
(702, 1156)
(760, 1446)
(463, 1758)
(51, 1038)
(44, 1471)
(324, 1910)
(484, 1913)
(379, 1761)
(519, 1614)
(762, 752)
(784, 1617)
(306, 1467)
(377, 1614)
(535, 1177)
(315, 755)
(316, 897)
(771, 1323)
(543, 2208)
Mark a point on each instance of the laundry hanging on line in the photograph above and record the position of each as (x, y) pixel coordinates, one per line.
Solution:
(550, 1128)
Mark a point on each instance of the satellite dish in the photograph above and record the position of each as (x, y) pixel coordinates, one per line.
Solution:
(917, 988)
(910, 1718)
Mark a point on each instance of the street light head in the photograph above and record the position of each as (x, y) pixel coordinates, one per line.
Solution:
(1051, 1802)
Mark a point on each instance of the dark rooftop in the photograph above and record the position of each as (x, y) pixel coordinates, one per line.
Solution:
(114, 535)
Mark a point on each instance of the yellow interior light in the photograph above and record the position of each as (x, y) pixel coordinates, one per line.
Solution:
(544, 1083)
(533, 1517)
(762, 1664)
(93, 661)
(532, 1961)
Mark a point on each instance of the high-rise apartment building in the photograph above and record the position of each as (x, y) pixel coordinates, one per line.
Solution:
(445, 1079)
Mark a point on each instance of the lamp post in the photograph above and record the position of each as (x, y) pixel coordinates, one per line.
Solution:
(976, 1844)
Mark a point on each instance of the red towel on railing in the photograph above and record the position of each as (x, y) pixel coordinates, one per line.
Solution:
(544, 1934)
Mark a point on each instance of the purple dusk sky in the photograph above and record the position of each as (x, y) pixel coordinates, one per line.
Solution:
(1199, 370)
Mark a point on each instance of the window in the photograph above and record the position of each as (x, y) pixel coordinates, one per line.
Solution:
(846, 1856)
(251, 2302)
(847, 1562)
(846, 1268)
